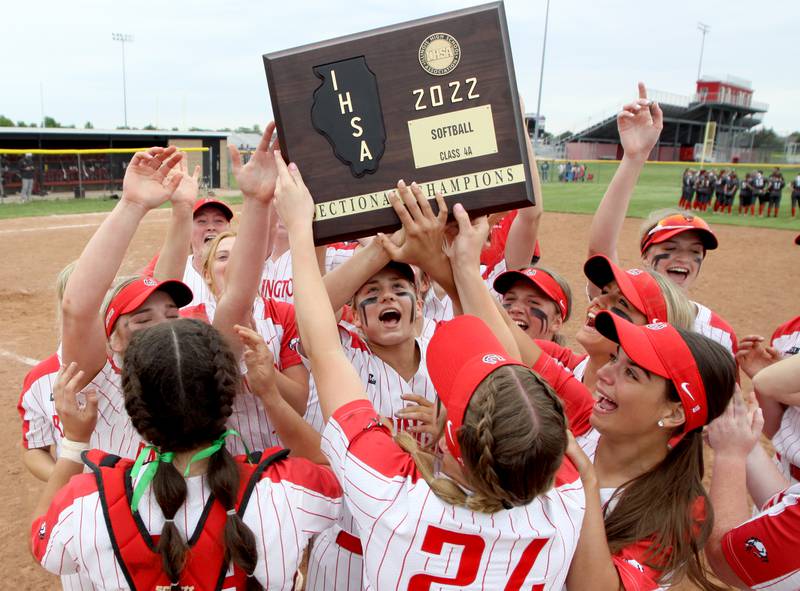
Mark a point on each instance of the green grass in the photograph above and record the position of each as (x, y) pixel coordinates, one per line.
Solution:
(68, 206)
(659, 187)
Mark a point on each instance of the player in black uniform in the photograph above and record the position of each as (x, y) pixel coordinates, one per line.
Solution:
(687, 189)
(731, 188)
(760, 191)
(775, 185)
(746, 196)
(795, 194)
(719, 189)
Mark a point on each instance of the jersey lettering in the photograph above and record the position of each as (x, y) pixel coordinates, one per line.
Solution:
(435, 539)
(473, 545)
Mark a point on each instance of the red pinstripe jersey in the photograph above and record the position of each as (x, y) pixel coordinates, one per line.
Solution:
(40, 425)
(296, 500)
(760, 551)
(276, 279)
(710, 324)
(412, 540)
(786, 338)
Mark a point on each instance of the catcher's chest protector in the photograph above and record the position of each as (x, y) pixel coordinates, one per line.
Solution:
(135, 548)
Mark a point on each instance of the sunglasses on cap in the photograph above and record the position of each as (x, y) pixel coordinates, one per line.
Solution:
(678, 223)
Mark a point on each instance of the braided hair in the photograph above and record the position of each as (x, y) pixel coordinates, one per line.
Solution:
(513, 439)
(179, 379)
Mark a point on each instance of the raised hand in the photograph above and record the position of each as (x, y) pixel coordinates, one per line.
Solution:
(189, 185)
(77, 412)
(261, 372)
(737, 430)
(148, 182)
(753, 355)
(423, 230)
(640, 124)
(423, 412)
(293, 202)
(256, 179)
(465, 249)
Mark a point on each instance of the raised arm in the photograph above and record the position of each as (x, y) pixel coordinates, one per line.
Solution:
(337, 381)
(521, 242)
(256, 180)
(732, 436)
(144, 187)
(262, 378)
(172, 258)
(780, 382)
(464, 254)
(639, 124)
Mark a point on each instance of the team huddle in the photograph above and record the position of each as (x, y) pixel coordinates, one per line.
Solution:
(402, 412)
(698, 187)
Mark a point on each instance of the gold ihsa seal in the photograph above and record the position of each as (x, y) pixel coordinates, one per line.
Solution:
(439, 54)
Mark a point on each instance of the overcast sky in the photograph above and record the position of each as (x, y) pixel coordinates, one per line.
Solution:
(199, 63)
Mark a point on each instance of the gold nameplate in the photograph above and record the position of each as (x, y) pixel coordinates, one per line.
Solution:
(457, 185)
(458, 135)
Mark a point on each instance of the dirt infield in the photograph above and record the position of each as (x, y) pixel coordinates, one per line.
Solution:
(751, 280)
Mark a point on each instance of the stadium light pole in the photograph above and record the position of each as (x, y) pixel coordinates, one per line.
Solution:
(704, 29)
(123, 38)
(541, 76)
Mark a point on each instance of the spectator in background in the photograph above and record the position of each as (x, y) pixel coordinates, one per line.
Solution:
(545, 171)
(568, 172)
(562, 171)
(26, 174)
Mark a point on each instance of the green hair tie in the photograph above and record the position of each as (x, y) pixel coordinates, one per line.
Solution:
(167, 457)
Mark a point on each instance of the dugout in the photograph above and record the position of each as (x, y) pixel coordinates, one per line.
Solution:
(66, 172)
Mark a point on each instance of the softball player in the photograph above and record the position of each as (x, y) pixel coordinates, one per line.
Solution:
(194, 517)
(209, 217)
(275, 322)
(746, 550)
(407, 516)
(96, 331)
(537, 299)
(673, 243)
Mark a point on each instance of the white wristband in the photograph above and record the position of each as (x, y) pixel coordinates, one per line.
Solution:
(71, 450)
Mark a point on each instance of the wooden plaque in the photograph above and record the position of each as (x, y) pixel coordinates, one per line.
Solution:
(433, 101)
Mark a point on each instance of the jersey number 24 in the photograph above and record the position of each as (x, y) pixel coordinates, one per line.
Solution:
(436, 538)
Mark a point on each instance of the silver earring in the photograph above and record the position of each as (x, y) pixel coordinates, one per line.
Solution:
(660, 422)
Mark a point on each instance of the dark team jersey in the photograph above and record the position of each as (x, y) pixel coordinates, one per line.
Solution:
(796, 185)
(758, 184)
(732, 187)
(776, 183)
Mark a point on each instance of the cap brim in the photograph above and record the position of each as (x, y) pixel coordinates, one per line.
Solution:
(180, 293)
(404, 269)
(632, 339)
(601, 271)
(504, 281)
(221, 205)
(797, 239)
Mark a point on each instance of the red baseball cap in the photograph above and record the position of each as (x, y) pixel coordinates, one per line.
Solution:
(136, 292)
(221, 205)
(461, 353)
(637, 285)
(675, 224)
(660, 349)
(540, 279)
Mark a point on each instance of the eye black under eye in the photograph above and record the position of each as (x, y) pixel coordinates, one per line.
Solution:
(620, 313)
